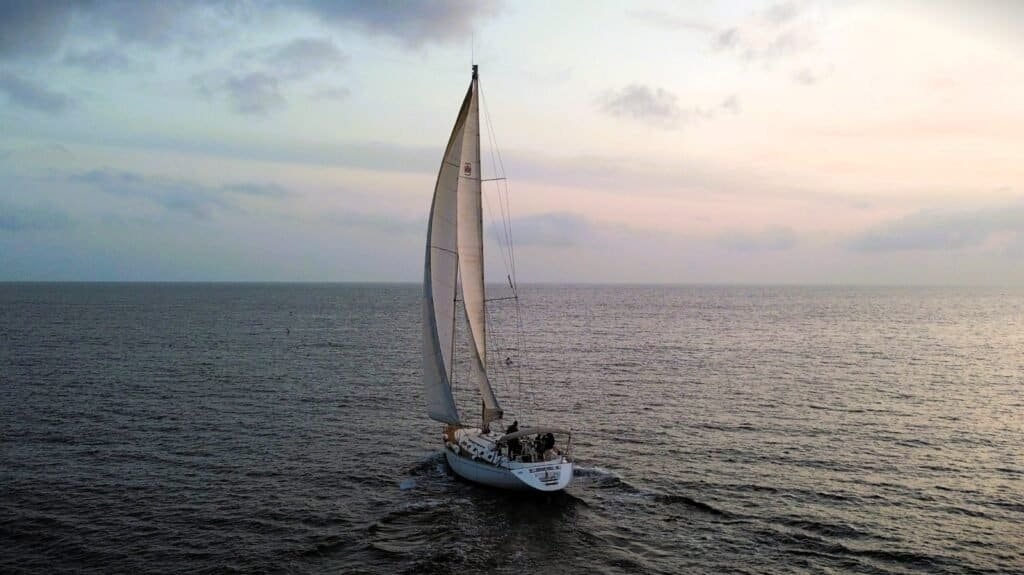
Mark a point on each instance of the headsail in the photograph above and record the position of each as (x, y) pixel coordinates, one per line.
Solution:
(471, 251)
(440, 270)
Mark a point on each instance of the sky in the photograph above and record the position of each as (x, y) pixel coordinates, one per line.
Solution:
(795, 142)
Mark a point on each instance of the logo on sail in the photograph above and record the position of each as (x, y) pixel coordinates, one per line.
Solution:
(467, 170)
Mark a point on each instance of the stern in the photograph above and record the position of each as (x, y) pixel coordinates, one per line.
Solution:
(549, 476)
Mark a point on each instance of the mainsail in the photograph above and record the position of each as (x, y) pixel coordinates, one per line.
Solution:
(455, 251)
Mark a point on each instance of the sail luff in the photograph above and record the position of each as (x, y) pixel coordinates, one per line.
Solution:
(440, 273)
(471, 251)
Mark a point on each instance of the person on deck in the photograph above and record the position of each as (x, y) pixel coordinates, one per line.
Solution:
(547, 449)
(514, 448)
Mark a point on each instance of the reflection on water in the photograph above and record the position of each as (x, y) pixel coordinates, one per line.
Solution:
(169, 428)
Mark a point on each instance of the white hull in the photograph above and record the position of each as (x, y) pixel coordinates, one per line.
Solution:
(488, 467)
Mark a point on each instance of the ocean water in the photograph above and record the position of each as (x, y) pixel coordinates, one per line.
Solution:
(208, 428)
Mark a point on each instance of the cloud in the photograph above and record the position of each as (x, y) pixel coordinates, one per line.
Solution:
(378, 223)
(641, 102)
(158, 23)
(782, 13)
(931, 230)
(30, 28)
(332, 93)
(412, 23)
(991, 19)
(32, 96)
(256, 85)
(805, 77)
(567, 229)
(37, 29)
(780, 30)
(100, 60)
(659, 106)
(727, 39)
(811, 75)
(256, 93)
(173, 195)
(556, 229)
(667, 21)
(770, 239)
(248, 93)
(20, 218)
(194, 199)
(587, 171)
(731, 104)
(296, 59)
(32, 154)
(257, 190)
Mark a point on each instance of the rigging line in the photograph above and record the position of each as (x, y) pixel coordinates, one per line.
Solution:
(521, 348)
(433, 247)
(501, 164)
(500, 344)
(505, 253)
(507, 220)
(490, 211)
(499, 375)
(499, 298)
(512, 376)
(506, 214)
(506, 256)
(508, 231)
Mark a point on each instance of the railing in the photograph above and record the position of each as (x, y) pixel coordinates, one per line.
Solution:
(534, 448)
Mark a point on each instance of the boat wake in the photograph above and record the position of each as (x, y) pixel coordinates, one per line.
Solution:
(677, 499)
(604, 479)
(430, 465)
(598, 477)
(428, 470)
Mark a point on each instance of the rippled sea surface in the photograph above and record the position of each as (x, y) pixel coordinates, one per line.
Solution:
(280, 428)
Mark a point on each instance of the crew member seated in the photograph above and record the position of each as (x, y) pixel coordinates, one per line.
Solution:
(548, 451)
(544, 446)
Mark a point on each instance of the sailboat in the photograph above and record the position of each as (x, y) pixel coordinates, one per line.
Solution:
(490, 454)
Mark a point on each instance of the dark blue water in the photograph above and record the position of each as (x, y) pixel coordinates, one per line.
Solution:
(280, 428)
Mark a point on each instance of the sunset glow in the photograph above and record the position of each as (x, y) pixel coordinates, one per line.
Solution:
(751, 142)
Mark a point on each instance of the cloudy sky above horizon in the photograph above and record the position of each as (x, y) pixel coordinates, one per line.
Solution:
(861, 142)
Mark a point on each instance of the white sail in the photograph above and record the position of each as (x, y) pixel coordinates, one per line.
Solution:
(453, 265)
(471, 251)
(440, 270)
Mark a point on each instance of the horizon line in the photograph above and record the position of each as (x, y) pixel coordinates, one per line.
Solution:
(526, 283)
